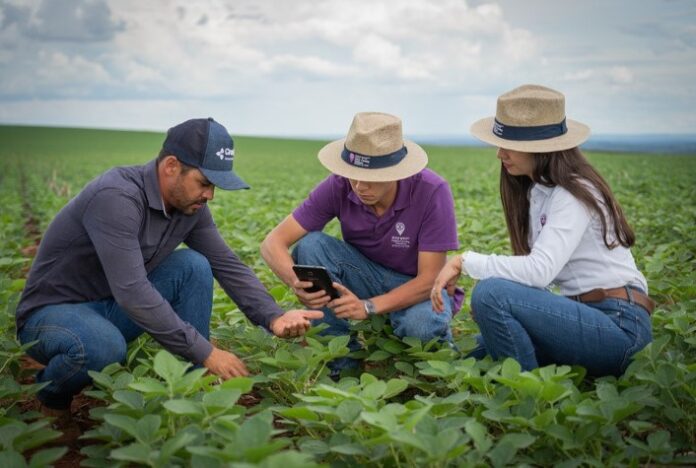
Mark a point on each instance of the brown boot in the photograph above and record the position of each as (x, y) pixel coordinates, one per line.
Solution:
(63, 422)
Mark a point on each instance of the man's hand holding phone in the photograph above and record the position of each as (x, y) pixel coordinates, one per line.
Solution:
(313, 286)
(311, 300)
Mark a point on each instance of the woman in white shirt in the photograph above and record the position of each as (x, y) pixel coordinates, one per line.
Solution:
(567, 229)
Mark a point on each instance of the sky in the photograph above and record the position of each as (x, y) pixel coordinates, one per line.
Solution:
(305, 67)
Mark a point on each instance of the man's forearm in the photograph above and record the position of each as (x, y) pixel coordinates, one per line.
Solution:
(278, 260)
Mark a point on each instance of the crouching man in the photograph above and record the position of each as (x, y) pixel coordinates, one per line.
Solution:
(107, 269)
(397, 220)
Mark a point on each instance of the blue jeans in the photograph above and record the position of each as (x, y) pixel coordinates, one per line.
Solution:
(366, 279)
(537, 327)
(76, 338)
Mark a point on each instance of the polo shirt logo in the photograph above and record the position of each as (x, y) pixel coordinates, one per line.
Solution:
(543, 220)
(400, 241)
(400, 227)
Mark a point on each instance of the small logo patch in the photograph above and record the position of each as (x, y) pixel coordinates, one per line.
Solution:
(498, 128)
(400, 227)
(543, 220)
(225, 154)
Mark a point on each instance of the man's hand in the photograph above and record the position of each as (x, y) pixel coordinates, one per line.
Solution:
(225, 364)
(311, 300)
(348, 306)
(447, 278)
(294, 322)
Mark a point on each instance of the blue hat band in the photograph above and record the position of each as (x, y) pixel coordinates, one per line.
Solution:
(540, 132)
(373, 162)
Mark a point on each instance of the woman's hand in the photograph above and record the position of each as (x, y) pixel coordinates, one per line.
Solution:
(447, 278)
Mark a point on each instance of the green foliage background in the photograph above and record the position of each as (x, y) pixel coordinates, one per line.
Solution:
(417, 404)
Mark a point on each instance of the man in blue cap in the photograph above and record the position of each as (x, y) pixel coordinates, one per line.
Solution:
(107, 269)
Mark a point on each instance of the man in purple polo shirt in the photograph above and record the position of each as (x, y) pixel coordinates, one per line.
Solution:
(397, 220)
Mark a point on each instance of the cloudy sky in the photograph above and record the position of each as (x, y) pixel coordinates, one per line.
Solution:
(304, 67)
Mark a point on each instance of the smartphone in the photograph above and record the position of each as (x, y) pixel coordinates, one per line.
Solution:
(319, 277)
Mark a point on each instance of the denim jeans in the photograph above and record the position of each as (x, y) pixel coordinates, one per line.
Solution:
(537, 327)
(76, 338)
(366, 279)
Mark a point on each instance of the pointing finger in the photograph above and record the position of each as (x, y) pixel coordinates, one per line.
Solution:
(313, 314)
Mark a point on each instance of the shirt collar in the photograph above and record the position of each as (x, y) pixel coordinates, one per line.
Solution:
(152, 189)
(542, 189)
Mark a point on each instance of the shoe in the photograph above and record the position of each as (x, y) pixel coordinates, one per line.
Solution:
(63, 422)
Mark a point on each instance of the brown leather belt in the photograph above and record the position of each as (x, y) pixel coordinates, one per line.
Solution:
(597, 295)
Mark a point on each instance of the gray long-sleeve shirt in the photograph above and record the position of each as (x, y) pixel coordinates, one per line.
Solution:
(106, 240)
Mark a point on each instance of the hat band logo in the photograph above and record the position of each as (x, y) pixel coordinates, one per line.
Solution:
(373, 162)
(225, 154)
(539, 132)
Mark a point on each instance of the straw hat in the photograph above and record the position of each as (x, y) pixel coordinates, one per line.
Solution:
(374, 150)
(531, 119)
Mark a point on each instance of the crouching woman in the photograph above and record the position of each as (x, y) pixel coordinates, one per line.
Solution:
(567, 229)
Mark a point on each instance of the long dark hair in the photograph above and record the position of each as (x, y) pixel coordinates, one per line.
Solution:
(570, 170)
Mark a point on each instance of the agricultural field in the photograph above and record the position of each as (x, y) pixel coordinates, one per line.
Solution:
(415, 404)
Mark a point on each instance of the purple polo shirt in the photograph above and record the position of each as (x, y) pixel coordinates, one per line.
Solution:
(421, 219)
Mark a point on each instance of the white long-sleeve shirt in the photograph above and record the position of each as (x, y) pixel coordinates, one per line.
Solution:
(567, 249)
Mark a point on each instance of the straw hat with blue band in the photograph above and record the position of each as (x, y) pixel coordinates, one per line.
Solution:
(374, 150)
(532, 119)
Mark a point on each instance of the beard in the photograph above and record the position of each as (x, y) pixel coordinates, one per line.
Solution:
(184, 204)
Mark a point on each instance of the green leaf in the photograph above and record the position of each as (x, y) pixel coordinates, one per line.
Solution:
(348, 411)
(394, 387)
(243, 384)
(133, 400)
(11, 458)
(135, 452)
(379, 355)
(374, 390)
(147, 427)
(349, 449)
(518, 440)
(168, 367)
(255, 431)
(149, 386)
(184, 407)
(221, 399)
(339, 346)
(44, 457)
(125, 423)
(299, 412)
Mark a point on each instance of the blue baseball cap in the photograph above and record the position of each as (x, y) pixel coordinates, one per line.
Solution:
(207, 146)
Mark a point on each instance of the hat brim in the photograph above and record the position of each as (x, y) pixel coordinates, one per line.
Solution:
(577, 133)
(226, 180)
(415, 161)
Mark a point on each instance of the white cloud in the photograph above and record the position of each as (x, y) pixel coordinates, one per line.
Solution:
(424, 58)
(621, 75)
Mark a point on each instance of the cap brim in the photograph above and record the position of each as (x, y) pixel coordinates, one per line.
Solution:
(415, 161)
(226, 180)
(577, 133)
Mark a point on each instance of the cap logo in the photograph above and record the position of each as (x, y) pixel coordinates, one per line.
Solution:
(225, 154)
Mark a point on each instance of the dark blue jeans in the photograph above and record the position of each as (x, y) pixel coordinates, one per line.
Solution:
(366, 279)
(537, 327)
(76, 338)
